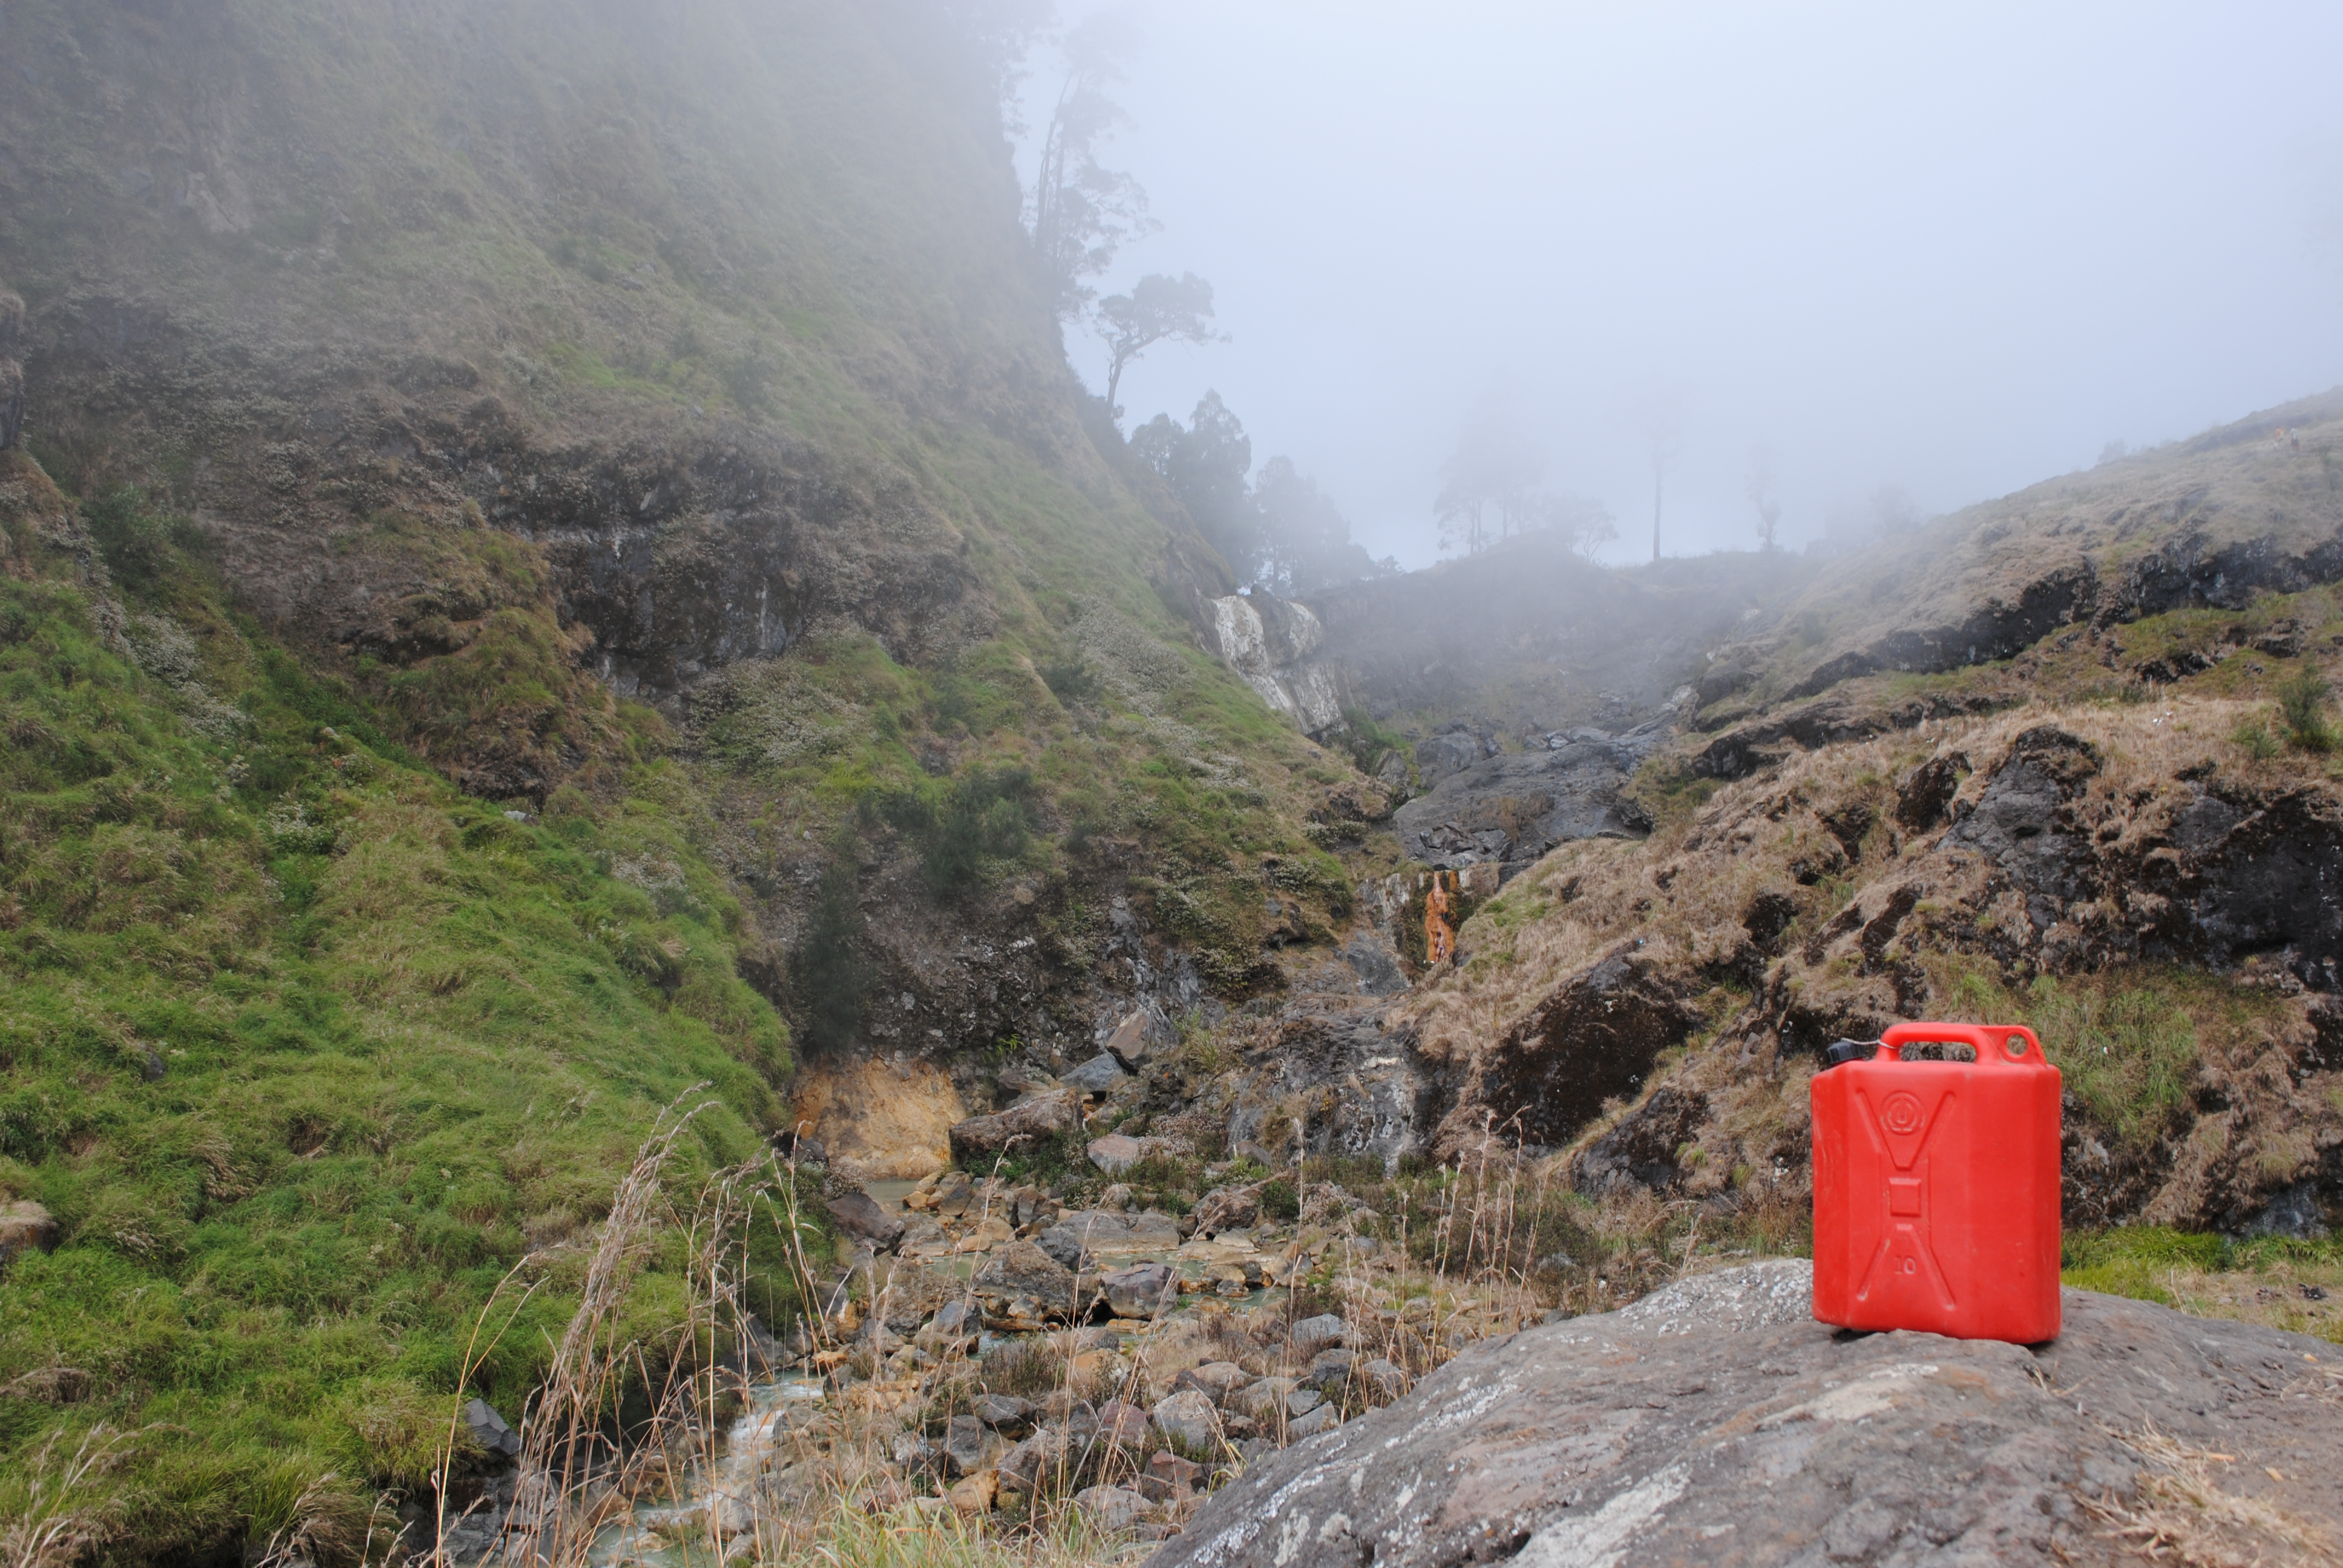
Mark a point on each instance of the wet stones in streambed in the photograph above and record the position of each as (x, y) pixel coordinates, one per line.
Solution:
(1143, 1290)
(1100, 1232)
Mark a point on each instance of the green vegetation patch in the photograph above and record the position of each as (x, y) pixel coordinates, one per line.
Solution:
(304, 1049)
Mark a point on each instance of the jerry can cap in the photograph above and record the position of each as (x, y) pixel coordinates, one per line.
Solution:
(1839, 1052)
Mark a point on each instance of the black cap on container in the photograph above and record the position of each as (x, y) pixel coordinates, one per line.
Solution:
(1839, 1052)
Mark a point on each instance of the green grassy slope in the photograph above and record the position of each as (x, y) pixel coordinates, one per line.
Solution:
(303, 1042)
(304, 1049)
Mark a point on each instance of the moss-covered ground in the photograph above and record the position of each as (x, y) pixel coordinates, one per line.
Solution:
(304, 1049)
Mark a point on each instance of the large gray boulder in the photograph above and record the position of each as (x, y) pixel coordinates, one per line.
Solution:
(1716, 1422)
(1019, 1270)
(1022, 1125)
(862, 1217)
(1103, 1233)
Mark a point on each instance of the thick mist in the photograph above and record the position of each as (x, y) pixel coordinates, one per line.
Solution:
(1883, 262)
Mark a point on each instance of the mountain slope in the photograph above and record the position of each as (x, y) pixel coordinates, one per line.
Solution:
(2116, 831)
(577, 539)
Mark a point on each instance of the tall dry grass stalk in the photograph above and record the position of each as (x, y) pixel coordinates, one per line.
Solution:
(67, 1512)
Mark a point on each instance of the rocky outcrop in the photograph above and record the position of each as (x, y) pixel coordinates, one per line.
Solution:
(1715, 1422)
(2226, 518)
(2207, 870)
(11, 374)
(1272, 643)
(1594, 1038)
(1354, 1081)
(1512, 807)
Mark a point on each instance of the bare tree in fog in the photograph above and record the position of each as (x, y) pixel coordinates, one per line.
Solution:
(1664, 425)
(1082, 212)
(1488, 482)
(1157, 308)
(1582, 520)
(1761, 495)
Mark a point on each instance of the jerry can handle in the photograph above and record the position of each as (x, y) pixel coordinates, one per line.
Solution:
(2007, 1045)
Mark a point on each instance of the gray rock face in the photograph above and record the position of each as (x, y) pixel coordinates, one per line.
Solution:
(1715, 1422)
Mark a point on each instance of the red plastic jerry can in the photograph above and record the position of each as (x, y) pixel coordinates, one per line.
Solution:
(1937, 1188)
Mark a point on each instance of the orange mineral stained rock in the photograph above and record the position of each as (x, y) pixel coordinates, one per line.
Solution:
(1439, 938)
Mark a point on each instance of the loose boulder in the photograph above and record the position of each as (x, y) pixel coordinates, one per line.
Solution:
(860, 1217)
(1139, 1293)
(1035, 1121)
(1715, 1421)
(1228, 1208)
(1019, 1270)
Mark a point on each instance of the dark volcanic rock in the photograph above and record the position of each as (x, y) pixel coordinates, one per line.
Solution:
(1513, 808)
(1641, 1150)
(1714, 1422)
(1595, 1037)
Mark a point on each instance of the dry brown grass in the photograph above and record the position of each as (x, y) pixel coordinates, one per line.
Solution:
(2185, 1513)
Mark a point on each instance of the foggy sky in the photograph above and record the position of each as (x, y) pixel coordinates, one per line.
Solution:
(1956, 249)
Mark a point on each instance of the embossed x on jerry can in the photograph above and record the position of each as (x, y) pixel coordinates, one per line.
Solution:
(1937, 1188)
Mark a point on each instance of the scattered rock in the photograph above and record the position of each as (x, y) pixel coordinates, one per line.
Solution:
(1310, 1422)
(1228, 1208)
(967, 1443)
(1129, 1044)
(1097, 1232)
(1312, 1335)
(1099, 1075)
(1140, 1291)
(860, 1217)
(1114, 1507)
(1003, 1413)
(1385, 1380)
(1188, 1419)
(1116, 1153)
(1022, 1271)
(1121, 1424)
(488, 1428)
(974, 1493)
(25, 1224)
(1217, 1380)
